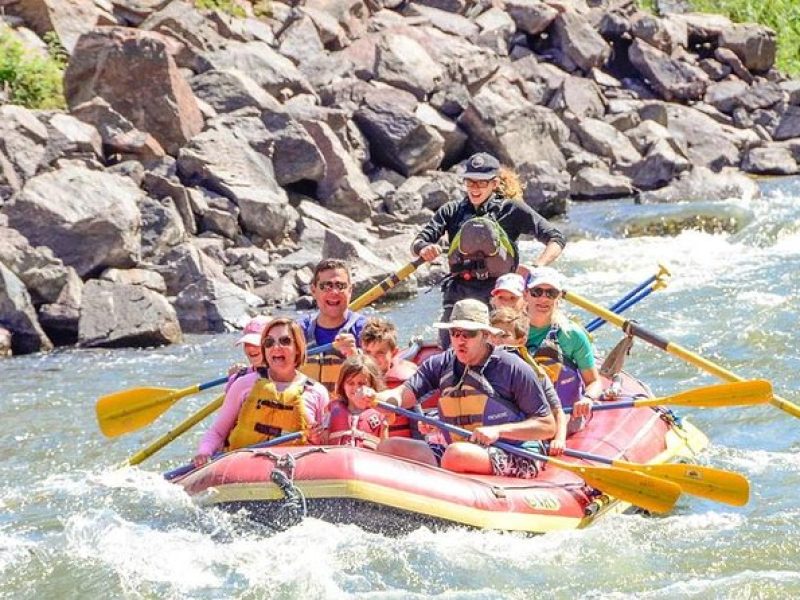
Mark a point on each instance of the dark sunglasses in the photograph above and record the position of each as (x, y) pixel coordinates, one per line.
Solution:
(284, 340)
(538, 292)
(465, 333)
(327, 286)
(478, 183)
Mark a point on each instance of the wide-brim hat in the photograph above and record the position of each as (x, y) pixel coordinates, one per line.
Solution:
(469, 314)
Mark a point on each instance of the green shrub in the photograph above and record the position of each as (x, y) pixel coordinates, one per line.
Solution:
(226, 6)
(29, 79)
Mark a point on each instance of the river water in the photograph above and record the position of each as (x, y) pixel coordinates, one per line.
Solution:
(72, 525)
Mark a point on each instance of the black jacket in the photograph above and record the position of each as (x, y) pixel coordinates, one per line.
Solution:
(516, 218)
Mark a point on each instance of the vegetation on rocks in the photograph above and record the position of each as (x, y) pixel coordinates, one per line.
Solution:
(32, 80)
(781, 15)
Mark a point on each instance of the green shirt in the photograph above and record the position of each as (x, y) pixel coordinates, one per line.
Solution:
(574, 342)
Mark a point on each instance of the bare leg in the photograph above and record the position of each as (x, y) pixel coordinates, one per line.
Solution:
(407, 448)
(464, 457)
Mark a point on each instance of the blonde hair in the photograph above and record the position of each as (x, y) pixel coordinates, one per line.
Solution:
(358, 364)
(297, 336)
(510, 186)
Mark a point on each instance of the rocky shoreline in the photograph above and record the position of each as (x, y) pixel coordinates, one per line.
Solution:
(207, 161)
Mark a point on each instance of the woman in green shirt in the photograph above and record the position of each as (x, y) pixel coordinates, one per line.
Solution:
(563, 347)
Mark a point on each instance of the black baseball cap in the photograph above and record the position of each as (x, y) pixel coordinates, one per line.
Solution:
(481, 166)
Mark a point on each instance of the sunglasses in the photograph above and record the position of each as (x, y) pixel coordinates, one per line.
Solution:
(538, 292)
(464, 333)
(327, 286)
(478, 183)
(284, 340)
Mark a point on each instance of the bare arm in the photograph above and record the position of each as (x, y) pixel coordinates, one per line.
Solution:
(552, 251)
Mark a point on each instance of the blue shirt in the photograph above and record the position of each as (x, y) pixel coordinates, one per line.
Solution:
(510, 376)
(325, 335)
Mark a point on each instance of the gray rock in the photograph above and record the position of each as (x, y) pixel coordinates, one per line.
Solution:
(445, 21)
(672, 79)
(604, 140)
(700, 184)
(214, 306)
(186, 264)
(295, 154)
(343, 188)
(662, 163)
(59, 319)
(22, 143)
(724, 96)
(63, 209)
(398, 139)
(162, 226)
(580, 96)
(754, 44)
(256, 262)
(403, 63)
(70, 138)
(230, 90)
(152, 280)
(282, 291)
(454, 138)
(501, 121)
(106, 61)
(547, 189)
(327, 219)
(770, 160)
(579, 41)
(665, 34)
(792, 89)
(728, 57)
(598, 184)
(714, 69)
(19, 316)
(497, 28)
(119, 315)
(43, 274)
(789, 125)
(301, 40)
(531, 16)
(226, 164)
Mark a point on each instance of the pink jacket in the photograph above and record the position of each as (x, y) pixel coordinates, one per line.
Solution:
(315, 401)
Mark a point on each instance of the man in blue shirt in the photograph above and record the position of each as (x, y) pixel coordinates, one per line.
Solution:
(332, 323)
(483, 388)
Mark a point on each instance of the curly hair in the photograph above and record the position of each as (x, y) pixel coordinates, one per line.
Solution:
(510, 185)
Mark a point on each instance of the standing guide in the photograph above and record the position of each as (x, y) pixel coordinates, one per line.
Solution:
(482, 229)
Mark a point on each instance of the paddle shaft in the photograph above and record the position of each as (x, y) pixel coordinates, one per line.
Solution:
(622, 307)
(640, 292)
(633, 328)
(283, 439)
(380, 288)
(180, 429)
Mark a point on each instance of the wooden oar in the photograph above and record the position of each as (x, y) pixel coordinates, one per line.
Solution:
(283, 439)
(380, 288)
(698, 480)
(740, 393)
(633, 328)
(650, 493)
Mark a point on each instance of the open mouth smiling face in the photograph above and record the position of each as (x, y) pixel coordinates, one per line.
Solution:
(279, 349)
(332, 292)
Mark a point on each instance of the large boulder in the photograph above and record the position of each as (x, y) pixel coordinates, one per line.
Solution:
(579, 42)
(772, 159)
(68, 20)
(399, 139)
(90, 219)
(43, 274)
(225, 163)
(229, 90)
(598, 184)
(121, 314)
(60, 318)
(404, 63)
(135, 73)
(531, 16)
(19, 316)
(754, 44)
(603, 139)
(214, 306)
(701, 184)
(671, 78)
(23, 142)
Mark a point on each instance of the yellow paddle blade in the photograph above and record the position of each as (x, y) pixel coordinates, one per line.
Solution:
(707, 482)
(132, 409)
(740, 393)
(644, 491)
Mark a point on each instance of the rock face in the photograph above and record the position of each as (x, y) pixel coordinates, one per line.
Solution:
(120, 314)
(65, 209)
(114, 62)
(207, 162)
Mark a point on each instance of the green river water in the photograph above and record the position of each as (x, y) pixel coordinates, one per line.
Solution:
(72, 525)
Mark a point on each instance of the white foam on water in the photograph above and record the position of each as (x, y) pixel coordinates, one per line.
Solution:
(758, 462)
(14, 552)
(140, 554)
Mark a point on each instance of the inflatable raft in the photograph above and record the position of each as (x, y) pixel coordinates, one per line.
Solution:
(280, 485)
